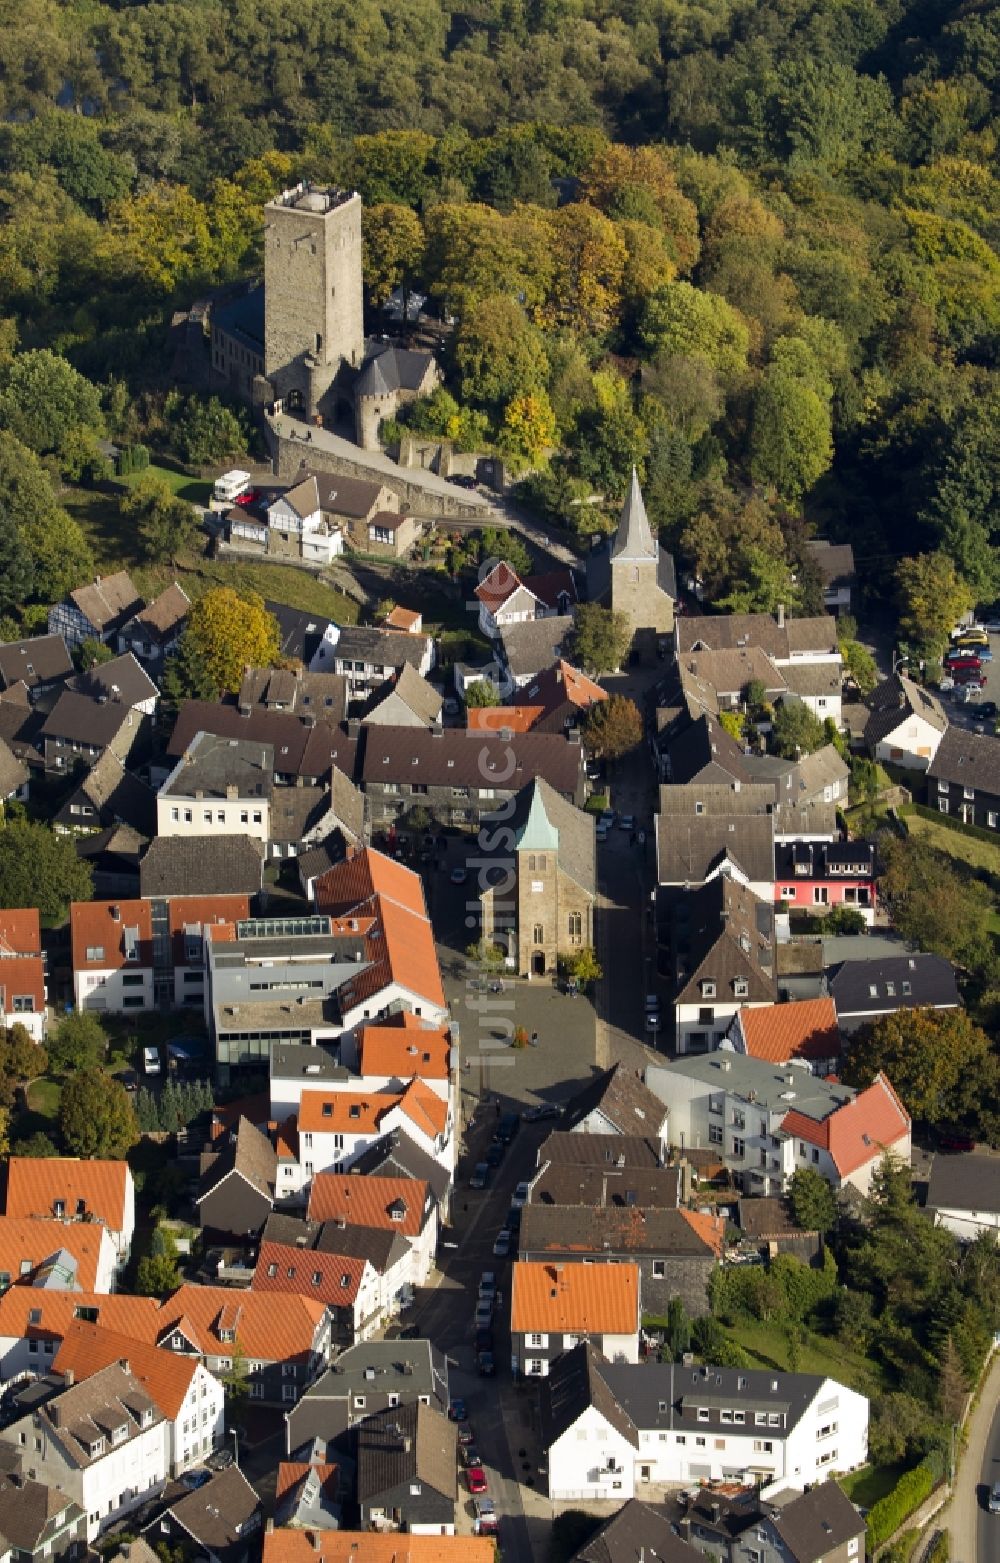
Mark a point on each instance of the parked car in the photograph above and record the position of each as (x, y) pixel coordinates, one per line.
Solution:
(496, 1153)
(456, 1409)
(521, 1193)
(488, 1285)
(129, 1079)
(151, 1060)
(480, 1175)
(459, 876)
(486, 1365)
(962, 661)
(607, 818)
(987, 709)
(465, 1435)
(487, 1520)
(973, 689)
(501, 1247)
(602, 832)
(220, 1460)
(993, 1503)
(484, 1313)
(627, 822)
(196, 1478)
(475, 1478)
(542, 1112)
(652, 1020)
(471, 1456)
(508, 1127)
(484, 1338)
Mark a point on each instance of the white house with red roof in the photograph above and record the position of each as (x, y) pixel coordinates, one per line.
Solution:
(506, 598)
(803, 1032)
(766, 1120)
(64, 1188)
(111, 948)
(22, 972)
(347, 1286)
(336, 1127)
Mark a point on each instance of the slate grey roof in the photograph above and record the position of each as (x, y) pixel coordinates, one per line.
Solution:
(211, 765)
(576, 846)
(384, 1250)
(967, 759)
(604, 1185)
(201, 865)
(894, 701)
(702, 750)
(642, 1388)
(834, 561)
(391, 368)
(117, 795)
(700, 824)
(530, 647)
(78, 1416)
(622, 1098)
(731, 631)
(82, 719)
(42, 659)
(299, 633)
(766, 1216)
(354, 498)
(812, 680)
(300, 1061)
(380, 648)
(638, 1533)
(297, 810)
(723, 933)
(214, 1515)
(250, 1155)
(634, 539)
(162, 619)
(409, 1368)
(13, 772)
(813, 773)
(585, 1229)
(597, 1150)
(302, 746)
(817, 1522)
(775, 1087)
(454, 757)
(109, 601)
(965, 1182)
(420, 697)
(916, 980)
(122, 679)
(574, 1384)
(407, 1443)
(322, 696)
(28, 1510)
(396, 1155)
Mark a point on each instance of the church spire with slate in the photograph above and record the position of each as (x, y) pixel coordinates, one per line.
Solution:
(635, 538)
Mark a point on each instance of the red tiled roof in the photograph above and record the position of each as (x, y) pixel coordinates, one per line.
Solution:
(402, 619)
(20, 931)
(352, 1546)
(711, 1229)
(494, 589)
(29, 1241)
(403, 1047)
(263, 1331)
(425, 1108)
(165, 1375)
(255, 1109)
(806, 1028)
(291, 1472)
(858, 1132)
(331, 1279)
(94, 925)
(399, 940)
(369, 1202)
(21, 976)
(285, 1137)
(364, 874)
(34, 1186)
(136, 1317)
(200, 912)
(581, 1299)
(497, 719)
(550, 586)
(344, 1112)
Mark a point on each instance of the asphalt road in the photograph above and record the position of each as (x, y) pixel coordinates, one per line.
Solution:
(987, 1524)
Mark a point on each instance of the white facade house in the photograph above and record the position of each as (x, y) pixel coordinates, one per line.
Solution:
(68, 1189)
(964, 1195)
(615, 1429)
(102, 1442)
(768, 1120)
(219, 787)
(906, 725)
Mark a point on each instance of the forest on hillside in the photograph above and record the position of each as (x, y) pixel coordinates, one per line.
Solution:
(750, 247)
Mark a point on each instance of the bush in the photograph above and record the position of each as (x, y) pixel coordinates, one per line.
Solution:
(913, 1488)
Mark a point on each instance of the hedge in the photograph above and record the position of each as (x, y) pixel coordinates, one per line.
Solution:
(913, 1488)
(941, 1551)
(949, 822)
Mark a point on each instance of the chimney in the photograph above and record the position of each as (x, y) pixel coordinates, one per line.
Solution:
(125, 1365)
(717, 1507)
(407, 1444)
(231, 791)
(353, 727)
(781, 615)
(69, 1378)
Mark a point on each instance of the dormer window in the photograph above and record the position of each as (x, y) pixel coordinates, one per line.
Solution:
(741, 987)
(227, 1335)
(119, 1435)
(708, 988)
(327, 1109)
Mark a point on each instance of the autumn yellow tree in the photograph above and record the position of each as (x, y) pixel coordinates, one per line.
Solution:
(529, 429)
(393, 238)
(227, 631)
(588, 268)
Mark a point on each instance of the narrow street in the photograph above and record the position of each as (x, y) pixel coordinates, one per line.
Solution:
(974, 1531)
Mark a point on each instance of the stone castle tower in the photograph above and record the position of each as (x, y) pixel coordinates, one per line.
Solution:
(314, 339)
(642, 585)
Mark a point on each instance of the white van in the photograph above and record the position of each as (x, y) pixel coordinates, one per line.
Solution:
(151, 1060)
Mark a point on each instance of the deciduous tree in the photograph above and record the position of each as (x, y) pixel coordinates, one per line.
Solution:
(601, 638)
(39, 868)
(939, 1061)
(680, 320)
(813, 1204)
(226, 630)
(796, 730)
(79, 1043)
(932, 597)
(613, 727)
(96, 1117)
(165, 524)
(393, 249)
(481, 693)
(934, 903)
(44, 402)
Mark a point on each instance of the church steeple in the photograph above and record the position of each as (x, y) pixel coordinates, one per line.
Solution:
(635, 539)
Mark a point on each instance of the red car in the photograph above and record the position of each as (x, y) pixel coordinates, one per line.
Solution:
(963, 664)
(476, 1478)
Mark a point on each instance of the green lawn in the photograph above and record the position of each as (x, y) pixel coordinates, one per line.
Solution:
(768, 1346)
(871, 1483)
(197, 490)
(965, 849)
(43, 1098)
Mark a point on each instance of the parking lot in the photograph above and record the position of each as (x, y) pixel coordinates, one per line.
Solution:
(970, 714)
